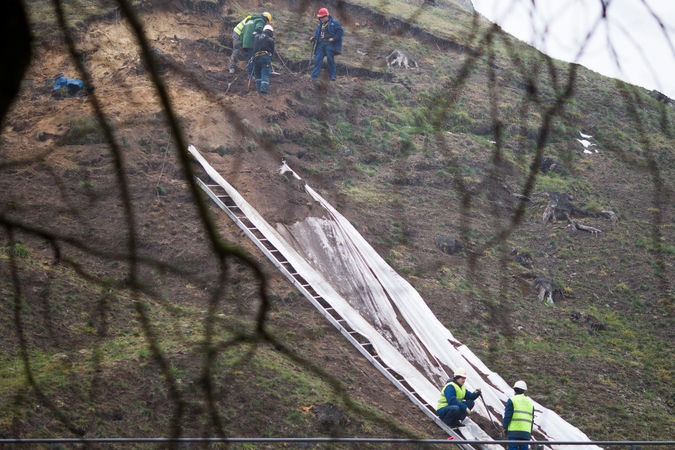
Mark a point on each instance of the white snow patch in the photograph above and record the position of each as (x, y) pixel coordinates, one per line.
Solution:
(585, 143)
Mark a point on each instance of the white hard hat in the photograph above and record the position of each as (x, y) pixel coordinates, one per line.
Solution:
(520, 384)
(460, 373)
(268, 27)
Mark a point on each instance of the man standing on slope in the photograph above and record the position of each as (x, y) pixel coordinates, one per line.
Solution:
(262, 58)
(519, 417)
(328, 38)
(236, 42)
(456, 401)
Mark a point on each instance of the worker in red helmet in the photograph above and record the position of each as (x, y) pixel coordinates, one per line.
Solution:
(328, 43)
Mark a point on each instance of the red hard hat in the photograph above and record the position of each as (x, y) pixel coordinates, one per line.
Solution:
(323, 12)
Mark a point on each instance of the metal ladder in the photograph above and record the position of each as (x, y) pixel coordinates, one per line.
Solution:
(362, 344)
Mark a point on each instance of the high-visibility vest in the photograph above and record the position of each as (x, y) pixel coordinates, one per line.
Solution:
(240, 25)
(523, 414)
(460, 393)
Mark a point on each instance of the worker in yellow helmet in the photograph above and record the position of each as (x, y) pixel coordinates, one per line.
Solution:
(242, 36)
(236, 42)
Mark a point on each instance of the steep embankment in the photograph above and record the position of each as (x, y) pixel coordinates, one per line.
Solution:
(402, 168)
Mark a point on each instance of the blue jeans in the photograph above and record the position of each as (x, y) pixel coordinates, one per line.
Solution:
(323, 50)
(263, 67)
(518, 436)
(452, 414)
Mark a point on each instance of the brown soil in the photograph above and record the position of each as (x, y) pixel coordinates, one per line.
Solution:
(74, 192)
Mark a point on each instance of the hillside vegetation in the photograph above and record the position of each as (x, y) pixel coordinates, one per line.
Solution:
(133, 307)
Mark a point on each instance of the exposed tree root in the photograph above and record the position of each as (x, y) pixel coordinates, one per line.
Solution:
(559, 208)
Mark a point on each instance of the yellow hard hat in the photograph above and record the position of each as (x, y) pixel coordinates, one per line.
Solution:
(269, 17)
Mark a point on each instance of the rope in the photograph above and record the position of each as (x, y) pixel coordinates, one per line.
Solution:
(161, 172)
(284, 64)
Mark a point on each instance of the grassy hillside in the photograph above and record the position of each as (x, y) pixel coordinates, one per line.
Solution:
(172, 336)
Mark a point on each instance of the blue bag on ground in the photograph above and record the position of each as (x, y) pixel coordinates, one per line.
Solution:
(73, 86)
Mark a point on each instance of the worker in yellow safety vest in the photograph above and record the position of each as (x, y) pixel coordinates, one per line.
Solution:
(519, 417)
(236, 42)
(243, 42)
(456, 401)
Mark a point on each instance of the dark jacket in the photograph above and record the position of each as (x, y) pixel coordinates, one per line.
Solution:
(333, 30)
(264, 42)
(451, 396)
(254, 25)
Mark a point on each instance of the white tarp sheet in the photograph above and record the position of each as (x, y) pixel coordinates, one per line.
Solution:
(380, 304)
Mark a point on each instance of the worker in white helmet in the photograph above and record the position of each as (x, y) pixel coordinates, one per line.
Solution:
(518, 417)
(456, 401)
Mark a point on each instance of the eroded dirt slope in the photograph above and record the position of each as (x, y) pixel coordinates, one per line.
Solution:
(401, 190)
